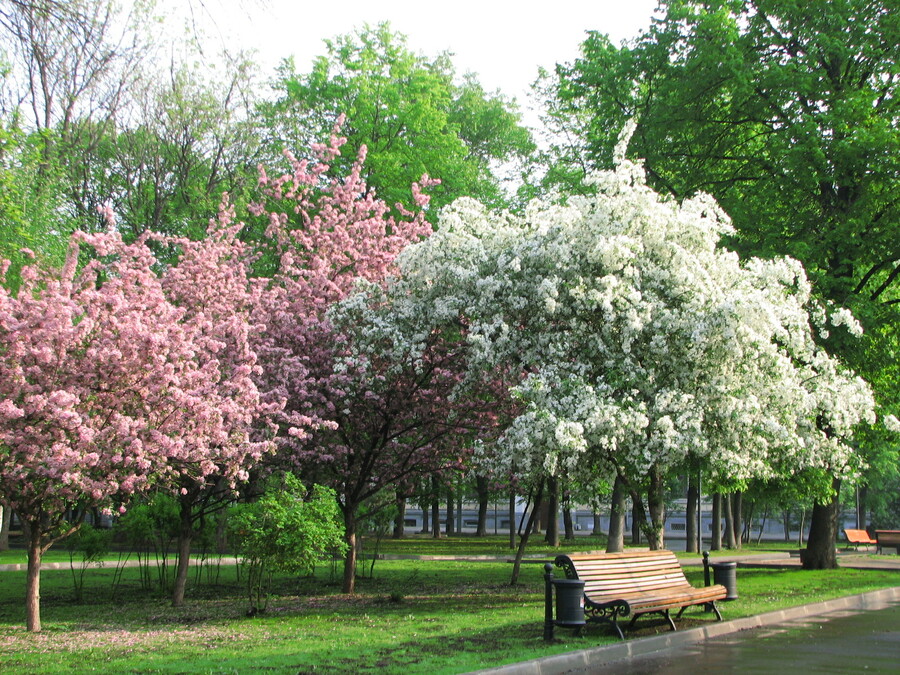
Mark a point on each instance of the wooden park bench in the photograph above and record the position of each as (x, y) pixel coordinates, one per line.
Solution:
(857, 537)
(636, 583)
(889, 538)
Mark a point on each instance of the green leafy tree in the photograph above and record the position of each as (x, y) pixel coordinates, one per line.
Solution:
(288, 529)
(188, 141)
(409, 113)
(789, 118)
(31, 215)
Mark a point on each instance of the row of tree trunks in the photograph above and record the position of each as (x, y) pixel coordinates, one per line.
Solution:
(819, 552)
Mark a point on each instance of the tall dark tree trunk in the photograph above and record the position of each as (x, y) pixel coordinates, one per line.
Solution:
(615, 542)
(552, 536)
(436, 507)
(597, 530)
(748, 511)
(349, 583)
(567, 522)
(820, 552)
(690, 529)
(638, 518)
(523, 542)
(185, 538)
(425, 529)
(716, 538)
(657, 506)
(512, 518)
(862, 493)
(762, 526)
(450, 526)
(786, 520)
(729, 521)
(484, 497)
(5, 522)
(400, 518)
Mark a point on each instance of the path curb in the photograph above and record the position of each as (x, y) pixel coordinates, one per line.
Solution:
(589, 660)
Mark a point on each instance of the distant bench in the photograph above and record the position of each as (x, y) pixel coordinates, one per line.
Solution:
(857, 537)
(887, 538)
(636, 583)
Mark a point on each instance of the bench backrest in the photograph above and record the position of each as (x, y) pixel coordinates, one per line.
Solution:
(888, 537)
(857, 536)
(629, 572)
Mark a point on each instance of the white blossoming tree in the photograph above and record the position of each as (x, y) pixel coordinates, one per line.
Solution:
(641, 341)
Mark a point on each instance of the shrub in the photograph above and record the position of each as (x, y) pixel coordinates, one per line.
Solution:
(288, 529)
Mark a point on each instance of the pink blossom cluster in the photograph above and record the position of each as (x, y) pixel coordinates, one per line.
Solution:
(113, 377)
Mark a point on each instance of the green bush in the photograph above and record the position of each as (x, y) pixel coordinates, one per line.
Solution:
(288, 529)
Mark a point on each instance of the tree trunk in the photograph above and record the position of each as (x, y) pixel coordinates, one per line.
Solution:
(820, 553)
(597, 530)
(690, 524)
(862, 493)
(32, 532)
(350, 558)
(729, 521)
(436, 518)
(512, 518)
(484, 498)
(185, 537)
(762, 527)
(786, 520)
(5, 521)
(615, 542)
(638, 518)
(746, 509)
(450, 525)
(737, 515)
(435, 507)
(552, 536)
(568, 524)
(523, 542)
(657, 507)
(425, 528)
(400, 519)
(716, 538)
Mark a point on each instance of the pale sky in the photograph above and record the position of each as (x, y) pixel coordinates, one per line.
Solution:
(503, 42)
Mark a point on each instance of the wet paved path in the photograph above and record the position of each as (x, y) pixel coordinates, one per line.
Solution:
(838, 642)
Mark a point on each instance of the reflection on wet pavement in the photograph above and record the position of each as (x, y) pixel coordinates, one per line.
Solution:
(838, 642)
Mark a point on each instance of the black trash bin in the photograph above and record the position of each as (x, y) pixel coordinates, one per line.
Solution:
(725, 573)
(569, 602)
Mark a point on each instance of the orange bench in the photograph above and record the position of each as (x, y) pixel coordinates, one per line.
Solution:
(857, 537)
(636, 583)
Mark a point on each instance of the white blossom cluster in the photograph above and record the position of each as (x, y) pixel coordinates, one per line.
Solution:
(639, 338)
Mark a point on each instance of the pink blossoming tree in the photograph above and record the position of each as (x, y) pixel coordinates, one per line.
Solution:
(359, 416)
(114, 378)
(210, 283)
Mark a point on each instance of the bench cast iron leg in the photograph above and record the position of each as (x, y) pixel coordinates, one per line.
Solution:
(669, 619)
(711, 606)
(615, 624)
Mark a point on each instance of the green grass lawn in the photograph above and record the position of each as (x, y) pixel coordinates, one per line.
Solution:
(414, 616)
